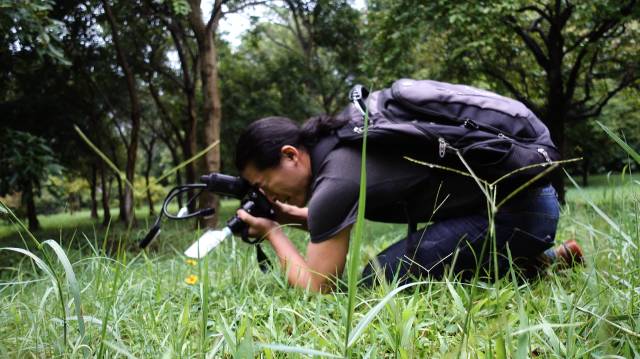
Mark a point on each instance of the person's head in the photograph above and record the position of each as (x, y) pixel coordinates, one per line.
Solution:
(273, 153)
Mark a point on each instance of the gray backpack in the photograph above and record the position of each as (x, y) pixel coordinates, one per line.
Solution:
(430, 121)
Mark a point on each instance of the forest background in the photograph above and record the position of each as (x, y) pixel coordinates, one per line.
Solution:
(152, 83)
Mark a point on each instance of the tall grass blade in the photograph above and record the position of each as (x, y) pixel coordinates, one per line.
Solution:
(71, 279)
(103, 330)
(371, 314)
(203, 267)
(120, 350)
(182, 164)
(601, 213)
(626, 330)
(39, 262)
(104, 157)
(92, 320)
(297, 350)
(356, 240)
(526, 184)
(459, 304)
(501, 348)
(523, 343)
(545, 327)
(46, 267)
(635, 155)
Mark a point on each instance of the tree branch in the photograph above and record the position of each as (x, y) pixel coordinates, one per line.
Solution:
(497, 74)
(529, 42)
(603, 28)
(596, 109)
(277, 42)
(535, 9)
(244, 6)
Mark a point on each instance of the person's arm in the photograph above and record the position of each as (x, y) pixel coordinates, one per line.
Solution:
(324, 262)
(288, 214)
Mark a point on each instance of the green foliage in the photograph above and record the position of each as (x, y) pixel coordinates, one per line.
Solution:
(400, 43)
(26, 25)
(157, 191)
(26, 162)
(181, 7)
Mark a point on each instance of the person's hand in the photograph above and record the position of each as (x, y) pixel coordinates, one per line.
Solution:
(287, 213)
(258, 226)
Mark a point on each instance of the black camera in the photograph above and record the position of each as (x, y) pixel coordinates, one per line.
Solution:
(252, 200)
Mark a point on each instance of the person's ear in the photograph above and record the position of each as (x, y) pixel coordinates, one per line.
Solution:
(289, 151)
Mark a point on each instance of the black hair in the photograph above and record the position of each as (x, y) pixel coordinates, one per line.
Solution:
(261, 142)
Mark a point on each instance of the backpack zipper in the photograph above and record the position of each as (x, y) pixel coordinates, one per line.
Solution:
(442, 147)
(544, 153)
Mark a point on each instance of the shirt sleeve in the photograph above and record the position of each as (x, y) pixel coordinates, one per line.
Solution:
(332, 207)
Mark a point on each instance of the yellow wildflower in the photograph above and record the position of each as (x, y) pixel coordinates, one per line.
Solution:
(191, 262)
(191, 279)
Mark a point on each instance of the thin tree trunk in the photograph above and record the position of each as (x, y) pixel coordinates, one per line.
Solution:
(585, 172)
(132, 147)
(147, 171)
(122, 212)
(557, 176)
(176, 161)
(152, 211)
(189, 149)
(94, 184)
(29, 201)
(106, 209)
(189, 144)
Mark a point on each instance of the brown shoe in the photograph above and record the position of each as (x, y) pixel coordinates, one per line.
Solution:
(568, 254)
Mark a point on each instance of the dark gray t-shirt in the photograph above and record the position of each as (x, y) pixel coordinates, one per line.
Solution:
(395, 187)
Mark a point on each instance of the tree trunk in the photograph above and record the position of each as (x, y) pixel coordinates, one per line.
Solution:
(94, 185)
(152, 211)
(147, 172)
(212, 114)
(121, 214)
(189, 149)
(29, 201)
(106, 210)
(556, 128)
(176, 161)
(557, 102)
(189, 67)
(132, 148)
(585, 172)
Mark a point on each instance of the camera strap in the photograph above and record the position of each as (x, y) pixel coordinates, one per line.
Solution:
(263, 260)
(261, 256)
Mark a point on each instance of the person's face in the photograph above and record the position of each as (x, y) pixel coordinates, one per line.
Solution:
(288, 182)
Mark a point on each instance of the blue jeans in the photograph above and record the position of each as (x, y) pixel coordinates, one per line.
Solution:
(526, 225)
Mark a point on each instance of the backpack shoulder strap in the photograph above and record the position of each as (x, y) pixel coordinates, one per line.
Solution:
(320, 151)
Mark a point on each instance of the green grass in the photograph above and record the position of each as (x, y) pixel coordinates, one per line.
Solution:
(138, 304)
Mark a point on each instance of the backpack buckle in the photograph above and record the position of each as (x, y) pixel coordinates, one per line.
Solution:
(358, 95)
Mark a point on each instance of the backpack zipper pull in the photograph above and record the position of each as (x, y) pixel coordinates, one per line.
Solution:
(544, 153)
(468, 123)
(442, 147)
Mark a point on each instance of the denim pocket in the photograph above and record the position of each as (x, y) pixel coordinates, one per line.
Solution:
(542, 202)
